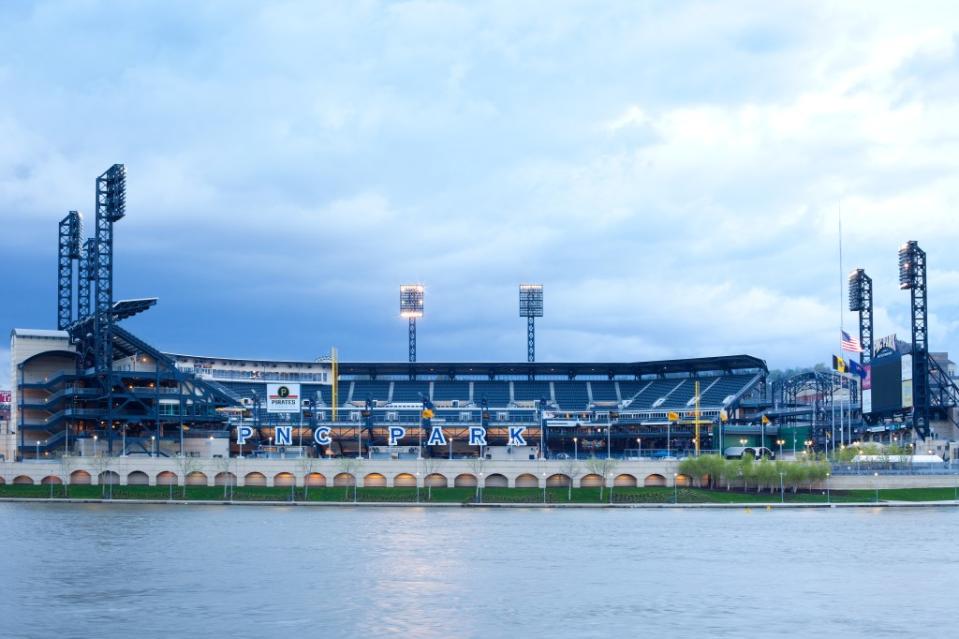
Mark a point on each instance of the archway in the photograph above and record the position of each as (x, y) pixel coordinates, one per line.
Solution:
(404, 480)
(591, 480)
(435, 480)
(683, 480)
(108, 477)
(51, 479)
(526, 480)
(625, 480)
(654, 480)
(344, 479)
(138, 478)
(224, 479)
(80, 478)
(196, 478)
(464, 480)
(559, 480)
(374, 480)
(497, 481)
(166, 478)
(315, 480)
(284, 480)
(22, 480)
(254, 479)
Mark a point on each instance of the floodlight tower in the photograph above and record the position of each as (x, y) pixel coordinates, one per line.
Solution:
(411, 307)
(530, 307)
(69, 250)
(860, 299)
(912, 276)
(111, 207)
(86, 274)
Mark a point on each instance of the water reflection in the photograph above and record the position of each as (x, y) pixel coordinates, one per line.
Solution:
(155, 571)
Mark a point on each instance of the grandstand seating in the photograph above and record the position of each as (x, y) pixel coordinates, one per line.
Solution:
(445, 391)
(727, 385)
(571, 395)
(526, 391)
(602, 391)
(410, 391)
(496, 393)
(363, 388)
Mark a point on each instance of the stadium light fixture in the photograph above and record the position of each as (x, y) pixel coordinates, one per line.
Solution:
(531, 307)
(411, 307)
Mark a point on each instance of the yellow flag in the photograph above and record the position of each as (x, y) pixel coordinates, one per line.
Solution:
(427, 413)
(673, 417)
(723, 416)
(765, 420)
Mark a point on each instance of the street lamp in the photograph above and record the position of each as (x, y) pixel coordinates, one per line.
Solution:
(612, 484)
(639, 446)
(37, 454)
(876, 482)
(94, 445)
(828, 498)
(417, 487)
(211, 447)
(544, 488)
(743, 441)
(675, 489)
(780, 442)
(479, 483)
(782, 489)
(576, 449)
(153, 445)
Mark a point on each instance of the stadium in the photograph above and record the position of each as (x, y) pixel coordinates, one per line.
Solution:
(90, 390)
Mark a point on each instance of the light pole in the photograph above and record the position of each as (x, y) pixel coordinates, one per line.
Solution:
(782, 489)
(479, 483)
(417, 487)
(876, 480)
(828, 497)
(639, 446)
(612, 484)
(94, 445)
(575, 449)
(153, 440)
(124, 433)
(544, 488)
(211, 448)
(780, 442)
(37, 454)
(675, 489)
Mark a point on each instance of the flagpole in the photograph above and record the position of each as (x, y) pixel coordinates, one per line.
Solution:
(841, 323)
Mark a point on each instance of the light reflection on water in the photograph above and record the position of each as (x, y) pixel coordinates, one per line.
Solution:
(154, 571)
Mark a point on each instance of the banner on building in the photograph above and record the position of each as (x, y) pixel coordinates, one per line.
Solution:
(5, 397)
(867, 389)
(283, 398)
(907, 381)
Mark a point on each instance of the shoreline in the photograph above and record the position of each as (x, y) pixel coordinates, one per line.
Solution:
(387, 504)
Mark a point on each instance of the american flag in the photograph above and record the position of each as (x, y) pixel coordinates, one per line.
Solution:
(849, 344)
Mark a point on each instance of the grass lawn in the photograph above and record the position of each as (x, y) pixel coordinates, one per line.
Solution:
(469, 495)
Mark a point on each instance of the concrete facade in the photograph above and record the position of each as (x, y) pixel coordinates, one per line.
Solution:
(195, 471)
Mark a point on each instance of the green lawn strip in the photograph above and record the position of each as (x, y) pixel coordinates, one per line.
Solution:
(622, 495)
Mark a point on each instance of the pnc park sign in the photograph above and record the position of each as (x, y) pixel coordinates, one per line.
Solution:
(283, 435)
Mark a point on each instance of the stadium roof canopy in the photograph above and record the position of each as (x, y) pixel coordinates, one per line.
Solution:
(723, 364)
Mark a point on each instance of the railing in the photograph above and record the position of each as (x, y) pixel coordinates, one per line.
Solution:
(889, 468)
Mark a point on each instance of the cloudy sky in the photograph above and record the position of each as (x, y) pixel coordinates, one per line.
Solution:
(671, 172)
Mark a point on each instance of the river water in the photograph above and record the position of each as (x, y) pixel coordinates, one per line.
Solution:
(125, 570)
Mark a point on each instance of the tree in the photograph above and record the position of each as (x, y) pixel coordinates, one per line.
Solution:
(429, 467)
(747, 470)
(477, 465)
(712, 466)
(306, 465)
(571, 469)
(601, 467)
(224, 464)
(186, 465)
(765, 474)
(67, 463)
(349, 465)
